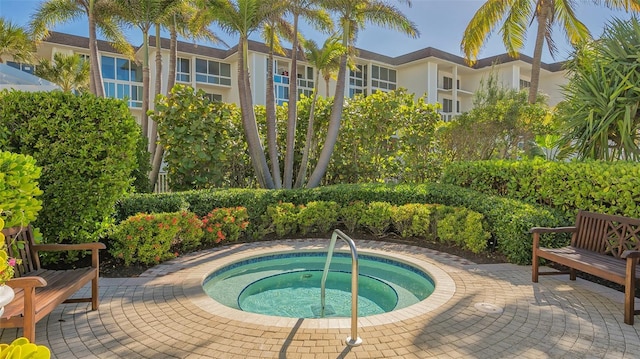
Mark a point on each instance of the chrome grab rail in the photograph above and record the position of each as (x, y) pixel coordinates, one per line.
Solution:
(353, 340)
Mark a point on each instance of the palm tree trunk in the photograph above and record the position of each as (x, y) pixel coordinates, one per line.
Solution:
(153, 136)
(256, 151)
(334, 125)
(270, 108)
(326, 81)
(302, 172)
(144, 122)
(95, 79)
(543, 18)
(293, 108)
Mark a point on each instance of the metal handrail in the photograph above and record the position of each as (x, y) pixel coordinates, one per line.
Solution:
(353, 340)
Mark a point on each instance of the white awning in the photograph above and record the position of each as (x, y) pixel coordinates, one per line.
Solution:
(12, 78)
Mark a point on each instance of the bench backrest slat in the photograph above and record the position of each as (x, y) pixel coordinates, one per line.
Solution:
(29, 259)
(605, 233)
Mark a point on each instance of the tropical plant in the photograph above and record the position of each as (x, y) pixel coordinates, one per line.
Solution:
(70, 72)
(243, 17)
(323, 59)
(99, 13)
(309, 10)
(600, 114)
(15, 42)
(514, 16)
(352, 15)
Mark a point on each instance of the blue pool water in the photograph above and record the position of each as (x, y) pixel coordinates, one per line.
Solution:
(288, 285)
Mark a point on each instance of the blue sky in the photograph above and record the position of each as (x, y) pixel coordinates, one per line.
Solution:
(441, 24)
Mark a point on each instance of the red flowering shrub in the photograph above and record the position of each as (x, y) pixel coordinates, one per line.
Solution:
(224, 224)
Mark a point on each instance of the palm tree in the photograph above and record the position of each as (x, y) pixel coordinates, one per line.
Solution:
(515, 16)
(182, 21)
(243, 17)
(144, 14)
(15, 42)
(353, 14)
(322, 59)
(310, 10)
(274, 26)
(99, 14)
(70, 72)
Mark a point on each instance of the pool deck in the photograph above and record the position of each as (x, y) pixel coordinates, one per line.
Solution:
(479, 311)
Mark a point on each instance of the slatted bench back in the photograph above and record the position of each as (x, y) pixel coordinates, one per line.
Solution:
(29, 259)
(605, 233)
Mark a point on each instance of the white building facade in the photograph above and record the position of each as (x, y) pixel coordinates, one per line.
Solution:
(443, 77)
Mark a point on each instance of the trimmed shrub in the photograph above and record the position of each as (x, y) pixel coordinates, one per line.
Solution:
(18, 189)
(412, 220)
(281, 218)
(225, 224)
(318, 216)
(145, 238)
(597, 186)
(86, 147)
(190, 232)
(351, 214)
(377, 218)
(464, 228)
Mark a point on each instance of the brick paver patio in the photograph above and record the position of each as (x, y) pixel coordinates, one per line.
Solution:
(480, 311)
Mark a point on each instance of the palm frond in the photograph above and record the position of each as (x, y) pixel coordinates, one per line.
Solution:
(481, 26)
(53, 12)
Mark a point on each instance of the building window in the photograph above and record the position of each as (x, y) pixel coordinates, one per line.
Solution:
(524, 84)
(383, 78)
(213, 97)
(28, 68)
(447, 83)
(213, 72)
(447, 106)
(358, 81)
(121, 78)
(305, 80)
(183, 70)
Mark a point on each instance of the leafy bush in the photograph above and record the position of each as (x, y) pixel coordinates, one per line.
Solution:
(412, 220)
(145, 238)
(318, 216)
(225, 224)
(190, 231)
(351, 214)
(377, 218)
(464, 228)
(18, 189)
(86, 147)
(281, 218)
(595, 186)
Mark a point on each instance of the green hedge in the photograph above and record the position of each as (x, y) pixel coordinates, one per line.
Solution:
(508, 220)
(606, 187)
(87, 148)
(18, 189)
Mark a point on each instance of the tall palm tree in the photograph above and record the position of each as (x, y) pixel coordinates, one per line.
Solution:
(70, 72)
(353, 14)
(243, 17)
(15, 42)
(273, 27)
(99, 13)
(322, 59)
(516, 15)
(319, 18)
(144, 14)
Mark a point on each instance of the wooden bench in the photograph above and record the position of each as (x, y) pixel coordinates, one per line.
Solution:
(602, 245)
(38, 291)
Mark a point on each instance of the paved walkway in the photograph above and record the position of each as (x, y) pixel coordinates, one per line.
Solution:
(484, 311)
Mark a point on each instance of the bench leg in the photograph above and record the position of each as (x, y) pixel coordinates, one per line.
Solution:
(535, 268)
(629, 291)
(29, 318)
(94, 293)
(572, 274)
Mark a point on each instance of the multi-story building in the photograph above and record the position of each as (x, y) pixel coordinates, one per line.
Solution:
(443, 77)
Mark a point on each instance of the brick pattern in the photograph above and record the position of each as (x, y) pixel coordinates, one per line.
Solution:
(162, 314)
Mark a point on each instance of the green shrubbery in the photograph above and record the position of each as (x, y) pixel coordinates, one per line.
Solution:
(87, 148)
(507, 220)
(604, 187)
(18, 189)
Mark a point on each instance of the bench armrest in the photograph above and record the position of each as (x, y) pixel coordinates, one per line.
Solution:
(630, 254)
(553, 230)
(27, 282)
(68, 247)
